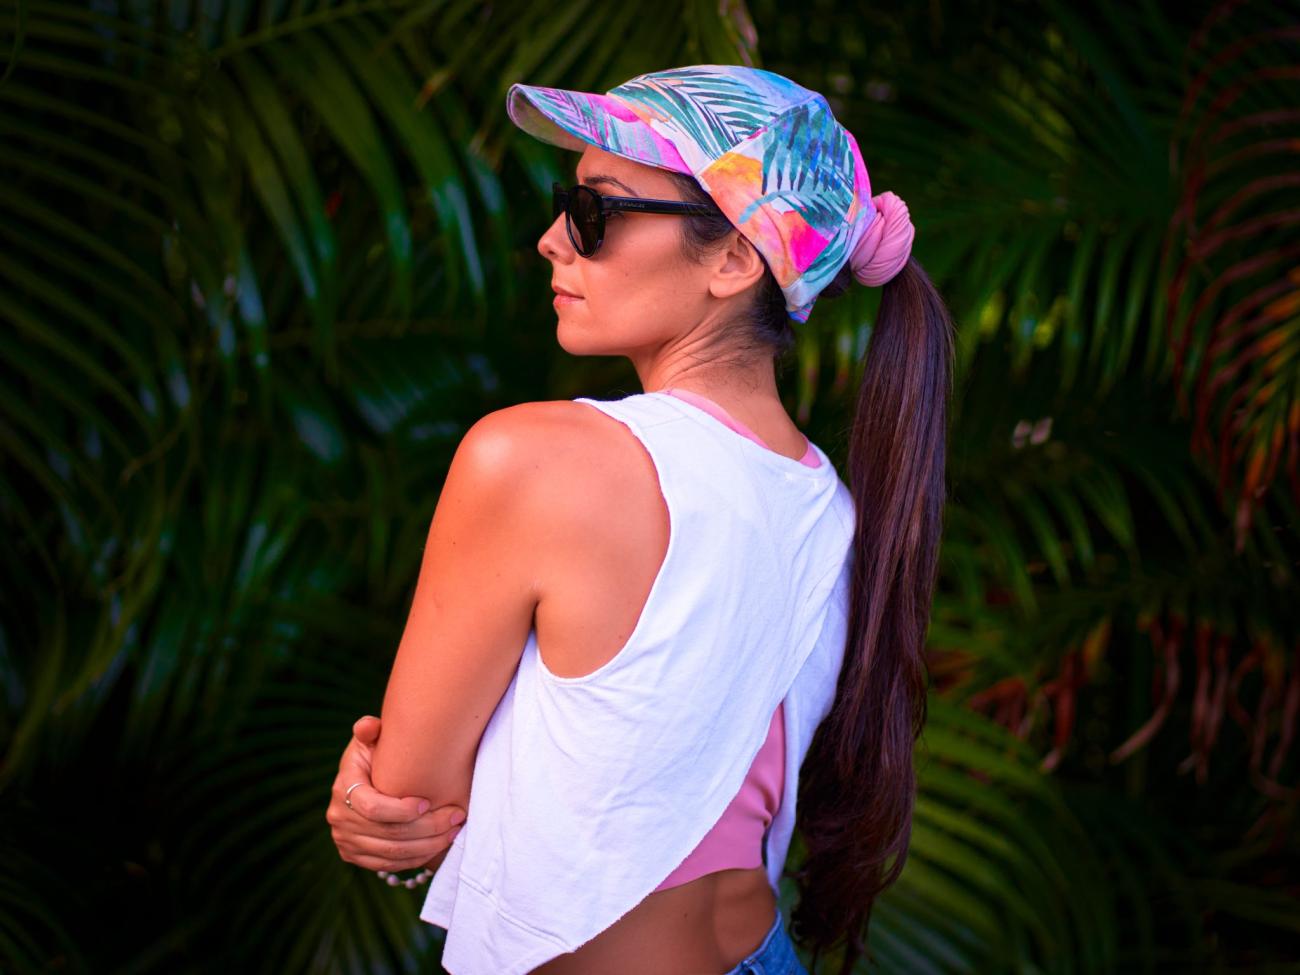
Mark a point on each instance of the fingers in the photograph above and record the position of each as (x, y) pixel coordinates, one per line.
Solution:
(430, 824)
(392, 851)
(366, 729)
(372, 813)
(392, 864)
(355, 761)
(369, 803)
(378, 831)
(354, 770)
(393, 855)
(446, 819)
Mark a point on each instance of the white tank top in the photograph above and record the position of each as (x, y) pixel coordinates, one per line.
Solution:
(589, 791)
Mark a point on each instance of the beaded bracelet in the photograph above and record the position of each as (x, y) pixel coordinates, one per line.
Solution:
(410, 883)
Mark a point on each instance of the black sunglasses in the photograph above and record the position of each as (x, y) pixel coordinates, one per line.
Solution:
(584, 212)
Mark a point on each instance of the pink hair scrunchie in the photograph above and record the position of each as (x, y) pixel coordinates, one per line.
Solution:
(887, 244)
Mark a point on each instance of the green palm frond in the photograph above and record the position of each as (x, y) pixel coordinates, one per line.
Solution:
(261, 860)
(1233, 314)
(1001, 876)
(262, 266)
(256, 262)
(1076, 504)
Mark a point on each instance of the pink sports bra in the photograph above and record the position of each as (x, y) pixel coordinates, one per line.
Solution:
(736, 840)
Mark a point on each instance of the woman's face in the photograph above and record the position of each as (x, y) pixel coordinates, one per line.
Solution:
(639, 296)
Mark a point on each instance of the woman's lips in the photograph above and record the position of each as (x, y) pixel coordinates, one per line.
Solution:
(564, 300)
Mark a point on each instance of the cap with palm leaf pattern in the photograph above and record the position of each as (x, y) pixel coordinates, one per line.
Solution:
(769, 152)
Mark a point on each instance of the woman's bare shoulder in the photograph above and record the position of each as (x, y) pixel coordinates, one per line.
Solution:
(561, 436)
(589, 479)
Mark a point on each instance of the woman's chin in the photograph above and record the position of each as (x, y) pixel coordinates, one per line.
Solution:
(576, 346)
(583, 340)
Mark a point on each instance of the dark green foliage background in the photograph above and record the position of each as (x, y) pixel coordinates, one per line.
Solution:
(262, 265)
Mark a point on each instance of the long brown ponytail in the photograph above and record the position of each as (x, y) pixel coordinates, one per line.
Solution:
(857, 785)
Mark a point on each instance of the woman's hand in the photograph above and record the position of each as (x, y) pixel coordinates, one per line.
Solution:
(380, 832)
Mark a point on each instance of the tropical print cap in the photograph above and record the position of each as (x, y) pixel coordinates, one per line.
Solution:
(768, 151)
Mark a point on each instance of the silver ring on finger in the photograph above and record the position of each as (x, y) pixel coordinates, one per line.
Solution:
(347, 796)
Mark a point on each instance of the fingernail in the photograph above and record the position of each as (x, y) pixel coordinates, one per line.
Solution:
(423, 807)
(457, 817)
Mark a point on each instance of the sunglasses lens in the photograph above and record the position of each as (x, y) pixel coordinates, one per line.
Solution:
(585, 219)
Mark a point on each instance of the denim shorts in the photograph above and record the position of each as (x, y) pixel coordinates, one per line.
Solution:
(775, 956)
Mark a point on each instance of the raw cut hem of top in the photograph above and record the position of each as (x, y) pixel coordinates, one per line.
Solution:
(529, 948)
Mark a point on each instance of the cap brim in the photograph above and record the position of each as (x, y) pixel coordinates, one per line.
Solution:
(576, 119)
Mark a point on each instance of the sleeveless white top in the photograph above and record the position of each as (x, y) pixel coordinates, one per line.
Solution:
(589, 791)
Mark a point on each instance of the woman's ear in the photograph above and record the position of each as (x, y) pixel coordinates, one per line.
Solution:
(739, 267)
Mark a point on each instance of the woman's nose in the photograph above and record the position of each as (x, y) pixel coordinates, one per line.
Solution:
(554, 244)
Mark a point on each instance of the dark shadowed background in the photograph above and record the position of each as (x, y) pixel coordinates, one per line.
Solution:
(261, 265)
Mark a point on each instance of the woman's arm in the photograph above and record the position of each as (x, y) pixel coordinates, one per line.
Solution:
(471, 613)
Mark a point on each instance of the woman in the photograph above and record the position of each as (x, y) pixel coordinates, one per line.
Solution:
(730, 631)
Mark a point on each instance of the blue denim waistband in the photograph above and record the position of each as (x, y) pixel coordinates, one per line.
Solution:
(775, 956)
